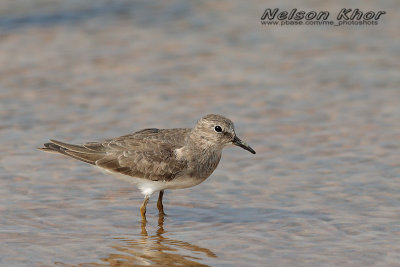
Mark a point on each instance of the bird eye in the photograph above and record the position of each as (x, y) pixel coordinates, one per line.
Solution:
(218, 129)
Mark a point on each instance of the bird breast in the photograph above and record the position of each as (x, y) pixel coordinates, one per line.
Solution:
(205, 165)
(201, 163)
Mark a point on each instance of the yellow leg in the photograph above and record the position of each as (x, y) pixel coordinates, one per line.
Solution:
(143, 207)
(159, 203)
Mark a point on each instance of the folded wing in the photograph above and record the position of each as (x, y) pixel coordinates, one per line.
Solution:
(147, 154)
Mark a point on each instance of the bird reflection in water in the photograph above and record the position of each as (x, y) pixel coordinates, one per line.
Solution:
(157, 250)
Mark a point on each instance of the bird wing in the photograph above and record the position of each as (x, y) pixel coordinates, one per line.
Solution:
(148, 153)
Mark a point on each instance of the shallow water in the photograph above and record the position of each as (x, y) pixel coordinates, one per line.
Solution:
(319, 105)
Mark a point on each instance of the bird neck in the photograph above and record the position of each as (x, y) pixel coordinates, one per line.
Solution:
(198, 149)
(202, 157)
(198, 142)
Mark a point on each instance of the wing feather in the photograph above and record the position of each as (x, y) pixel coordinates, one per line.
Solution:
(148, 153)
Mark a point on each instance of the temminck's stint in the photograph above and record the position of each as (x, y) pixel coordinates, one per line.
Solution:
(159, 159)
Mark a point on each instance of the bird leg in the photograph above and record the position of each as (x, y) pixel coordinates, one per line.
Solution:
(159, 203)
(144, 231)
(143, 207)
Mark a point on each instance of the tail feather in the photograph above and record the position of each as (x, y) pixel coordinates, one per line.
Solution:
(74, 151)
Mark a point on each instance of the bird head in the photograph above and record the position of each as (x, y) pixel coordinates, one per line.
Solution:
(219, 131)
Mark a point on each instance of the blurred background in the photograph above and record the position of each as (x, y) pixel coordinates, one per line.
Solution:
(319, 104)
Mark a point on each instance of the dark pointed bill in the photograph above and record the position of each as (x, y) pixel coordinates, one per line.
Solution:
(237, 142)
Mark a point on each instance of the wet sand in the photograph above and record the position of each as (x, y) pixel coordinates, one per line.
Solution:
(320, 105)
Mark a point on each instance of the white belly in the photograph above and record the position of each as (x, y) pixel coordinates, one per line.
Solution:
(148, 187)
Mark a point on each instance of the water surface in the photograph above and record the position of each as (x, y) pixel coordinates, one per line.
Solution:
(319, 105)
